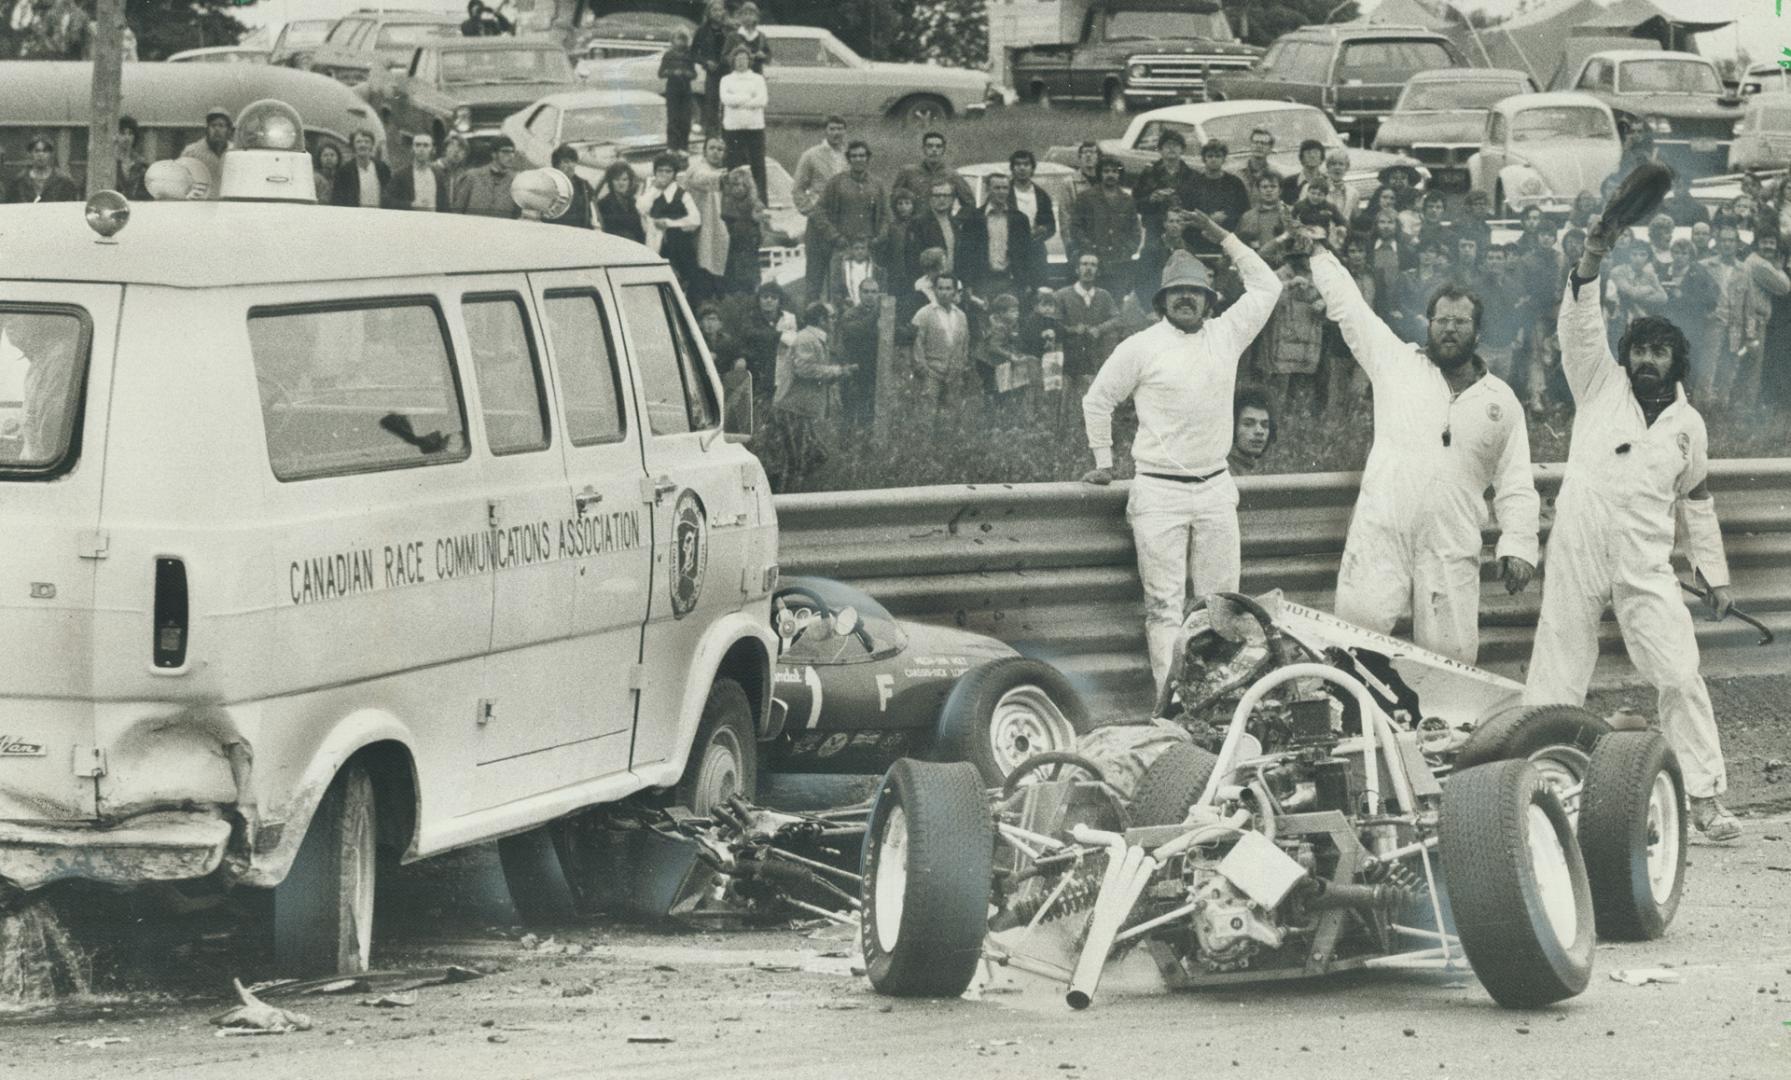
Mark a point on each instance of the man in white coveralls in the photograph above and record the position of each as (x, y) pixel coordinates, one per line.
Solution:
(1180, 374)
(1444, 431)
(1637, 462)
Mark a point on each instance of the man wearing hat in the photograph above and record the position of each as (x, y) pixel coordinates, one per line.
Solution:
(210, 150)
(1445, 430)
(1180, 375)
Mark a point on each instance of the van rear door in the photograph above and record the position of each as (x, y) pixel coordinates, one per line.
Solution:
(56, 344)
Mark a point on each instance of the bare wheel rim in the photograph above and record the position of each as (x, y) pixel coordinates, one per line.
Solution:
(719, 775)
(1026, 722)
(358, 876)
(1663, 837)
(1564, 769)
(1554, 882)
(892, 877)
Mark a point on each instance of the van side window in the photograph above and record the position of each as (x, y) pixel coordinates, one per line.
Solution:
(358, 387)
(43, 368)
(679, 397)
(590, 388)
(510, 392)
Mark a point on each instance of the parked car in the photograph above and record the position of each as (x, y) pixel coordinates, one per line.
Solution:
(1764, 78)
(1233, 121)
(221, 54)
(368, 44)
(602, 125)
(1354, 73)
(1543, 150)
(1134, 54)
(813, 74)
(625, 35)
(856, 688)
(297, 40)
(1763, 136)
(1441, 116)
(1062, 183)
(472, 85)
(1678, 96)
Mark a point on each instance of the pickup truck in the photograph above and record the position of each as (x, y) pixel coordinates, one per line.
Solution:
(1354, 73)
(1133, 54)
(472, 85)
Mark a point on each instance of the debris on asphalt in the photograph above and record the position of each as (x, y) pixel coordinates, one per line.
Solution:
(579, 990)
(842, 1005)
(342, 986)
(651, 1040)
(392, 1001)
(98, 1042)
(497, 1038)
(1644, 976)
(256, 1017)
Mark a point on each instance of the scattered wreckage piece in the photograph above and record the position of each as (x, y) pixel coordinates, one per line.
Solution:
(256, 1017)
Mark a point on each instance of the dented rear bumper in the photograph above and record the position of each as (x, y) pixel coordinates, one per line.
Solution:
(164, 845)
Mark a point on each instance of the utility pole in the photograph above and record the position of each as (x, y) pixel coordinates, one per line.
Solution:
(107, 36)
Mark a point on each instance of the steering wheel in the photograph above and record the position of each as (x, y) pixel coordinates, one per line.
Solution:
(814, 602)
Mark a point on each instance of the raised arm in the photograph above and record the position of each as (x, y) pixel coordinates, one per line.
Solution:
(1586, 357)
(1371, 341)
(1232, 332)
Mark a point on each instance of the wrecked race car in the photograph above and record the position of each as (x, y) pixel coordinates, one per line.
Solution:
(1366, 804)
(855, 689)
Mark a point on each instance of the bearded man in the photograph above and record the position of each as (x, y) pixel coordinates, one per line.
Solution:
(1180, 375)
(1444, 431)
(1637, 464)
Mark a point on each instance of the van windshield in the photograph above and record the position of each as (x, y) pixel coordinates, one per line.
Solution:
(43, 356)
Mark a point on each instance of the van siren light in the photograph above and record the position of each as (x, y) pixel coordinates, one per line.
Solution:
(268, 162)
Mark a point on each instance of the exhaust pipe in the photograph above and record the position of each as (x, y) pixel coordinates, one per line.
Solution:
(1129, 869)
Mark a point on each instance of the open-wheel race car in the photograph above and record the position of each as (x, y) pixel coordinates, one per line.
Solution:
(856, 689)
(1310, 798)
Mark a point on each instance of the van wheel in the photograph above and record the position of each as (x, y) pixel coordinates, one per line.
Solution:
(534, 875)
(323, 911)
(724, 758)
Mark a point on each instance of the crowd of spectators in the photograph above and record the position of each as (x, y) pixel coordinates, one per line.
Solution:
(988, 332)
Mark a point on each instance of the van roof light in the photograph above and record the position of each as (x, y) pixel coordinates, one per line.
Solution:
(269, 124)
(107, 213)
(542, 193)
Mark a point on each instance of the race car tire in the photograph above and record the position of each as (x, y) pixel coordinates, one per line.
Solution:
(536, 876)
(323, 910)
(1003, 712)
(1170, 785)
(1517, 884)
(1632, 835)
(927, 865)
(1557, 739)
(724, 756)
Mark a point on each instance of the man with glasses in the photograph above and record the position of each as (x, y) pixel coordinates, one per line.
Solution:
(486, 192)
(1445, 430)
(1256, 166)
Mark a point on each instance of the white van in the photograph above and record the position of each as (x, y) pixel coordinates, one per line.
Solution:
(326, 530)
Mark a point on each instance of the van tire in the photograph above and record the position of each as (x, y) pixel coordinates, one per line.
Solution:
(724, 756)
(323, 911)
(532, 871)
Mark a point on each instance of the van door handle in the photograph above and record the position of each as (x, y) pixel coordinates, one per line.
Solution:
(655, 489)
(586, 499)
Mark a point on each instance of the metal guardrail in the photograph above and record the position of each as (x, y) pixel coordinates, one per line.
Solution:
(1050, 568)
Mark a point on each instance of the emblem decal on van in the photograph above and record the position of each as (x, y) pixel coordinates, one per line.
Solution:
(13, 746)
(690, 553)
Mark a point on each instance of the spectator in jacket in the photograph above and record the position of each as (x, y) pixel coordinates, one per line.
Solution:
(1386, 258)
(853, 205)
(1256, 166)
(818, 164)
(709, 48)
(851, 268)
(748, 36)
(1759, 284)
(937, 227)
(210, 148)
(329, 159)
(423, 186)
(672, 221)
(1680, 206)
(941, 350)
(891, 248)
(130, 165)
(1088, 162)
(43, 180)
(1312, 167)
(1716, 363)
(1268, 217)
(1412, 291)
(1091, 324)
(454, 163)
(704, 179)
(617, 212)
(745, 216)
(1033, 201)
(1292, 345)
(807, 398)
(1165, 185)
(856, 335)
(1337, 171)
(995, 247)
(1635, 286)
(1217, 194)
(362, 180)
(486, 191)
(1104, 223)
(744, 96)
(920, 177)
(677, 66)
